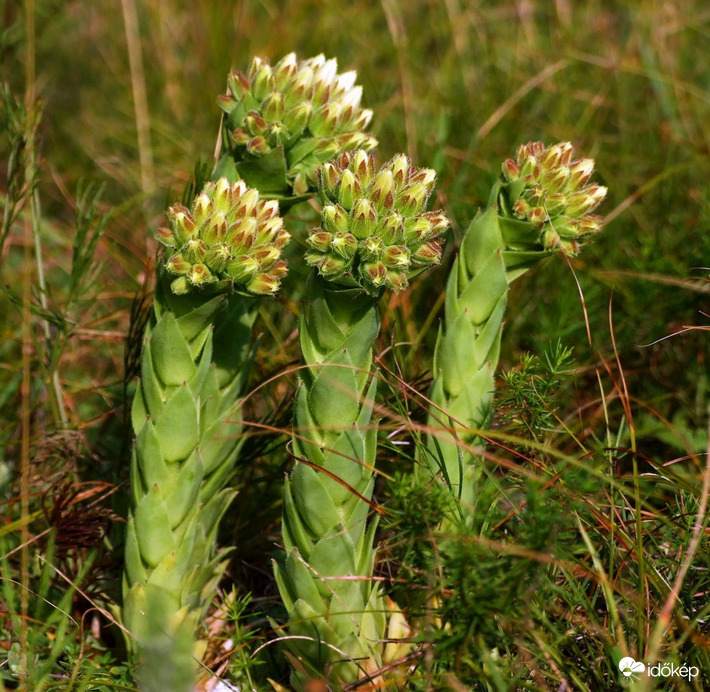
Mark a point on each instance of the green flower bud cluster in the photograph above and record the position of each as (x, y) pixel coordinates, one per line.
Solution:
(300, 113)
(231, 239)
(374, 232)
(548, 189)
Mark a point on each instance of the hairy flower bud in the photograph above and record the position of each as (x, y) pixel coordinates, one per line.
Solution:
(387, 237)
(231, 238)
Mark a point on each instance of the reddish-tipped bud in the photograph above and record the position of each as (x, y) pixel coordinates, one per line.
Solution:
(552, 198)
(166, 237)
(371, 248)
(363, 218)
(344, 244)
(580, 172)
(348, 189)
(511, 170)
(335, 219)
(396, 257)
(586, 200)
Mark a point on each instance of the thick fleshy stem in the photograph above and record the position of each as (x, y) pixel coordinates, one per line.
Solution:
(540, 206)
(374, 234)
(195, 361)
(326, 578)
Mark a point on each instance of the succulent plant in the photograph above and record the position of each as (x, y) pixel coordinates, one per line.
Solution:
(338, 620)
(195, 361)
(540, 206)
(282, 122)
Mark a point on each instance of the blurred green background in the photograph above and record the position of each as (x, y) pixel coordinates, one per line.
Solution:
(128, 91)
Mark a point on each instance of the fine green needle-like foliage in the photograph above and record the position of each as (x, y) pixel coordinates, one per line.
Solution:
(195, 360)
(540, 206)
(374, 234)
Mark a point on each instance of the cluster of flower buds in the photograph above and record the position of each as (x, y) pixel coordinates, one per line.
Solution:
(304, 106)
(231, 239)
(374, 231)
(551, 192)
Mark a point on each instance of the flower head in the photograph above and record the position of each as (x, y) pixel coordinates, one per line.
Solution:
(374, 231)
(300, 113)
(231, 239)
(547, 188)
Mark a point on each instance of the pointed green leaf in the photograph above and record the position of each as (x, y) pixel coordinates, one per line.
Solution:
(155, 540)
(178, 426)
(311, 495)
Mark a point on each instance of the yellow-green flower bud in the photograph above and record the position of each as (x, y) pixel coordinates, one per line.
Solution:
(177, 264)
(297, 118)
(195, 250)
(381, 190)
(241, 268)
(586, 200)
(580, 172)
(428, 253)
(554, 156)
(344, 244)
(375, 273)
(255, 123)
(284, 70)
(392, 228)
(199, 274)
(412, 199)
(335, 219)
(273, 107)
(511, 170)
(166, 237)
(238, 85)
(258, 146)
(320, 240)
(202, 207)
(266, 284)
(218, 256)
(262, 79)
(399, 166)
(242, 233)
(348, 189)
(276, 134)
(555, 179)
(371, 248)
(396, 257)
(363, 218)
(183, 225)
(590, 224)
